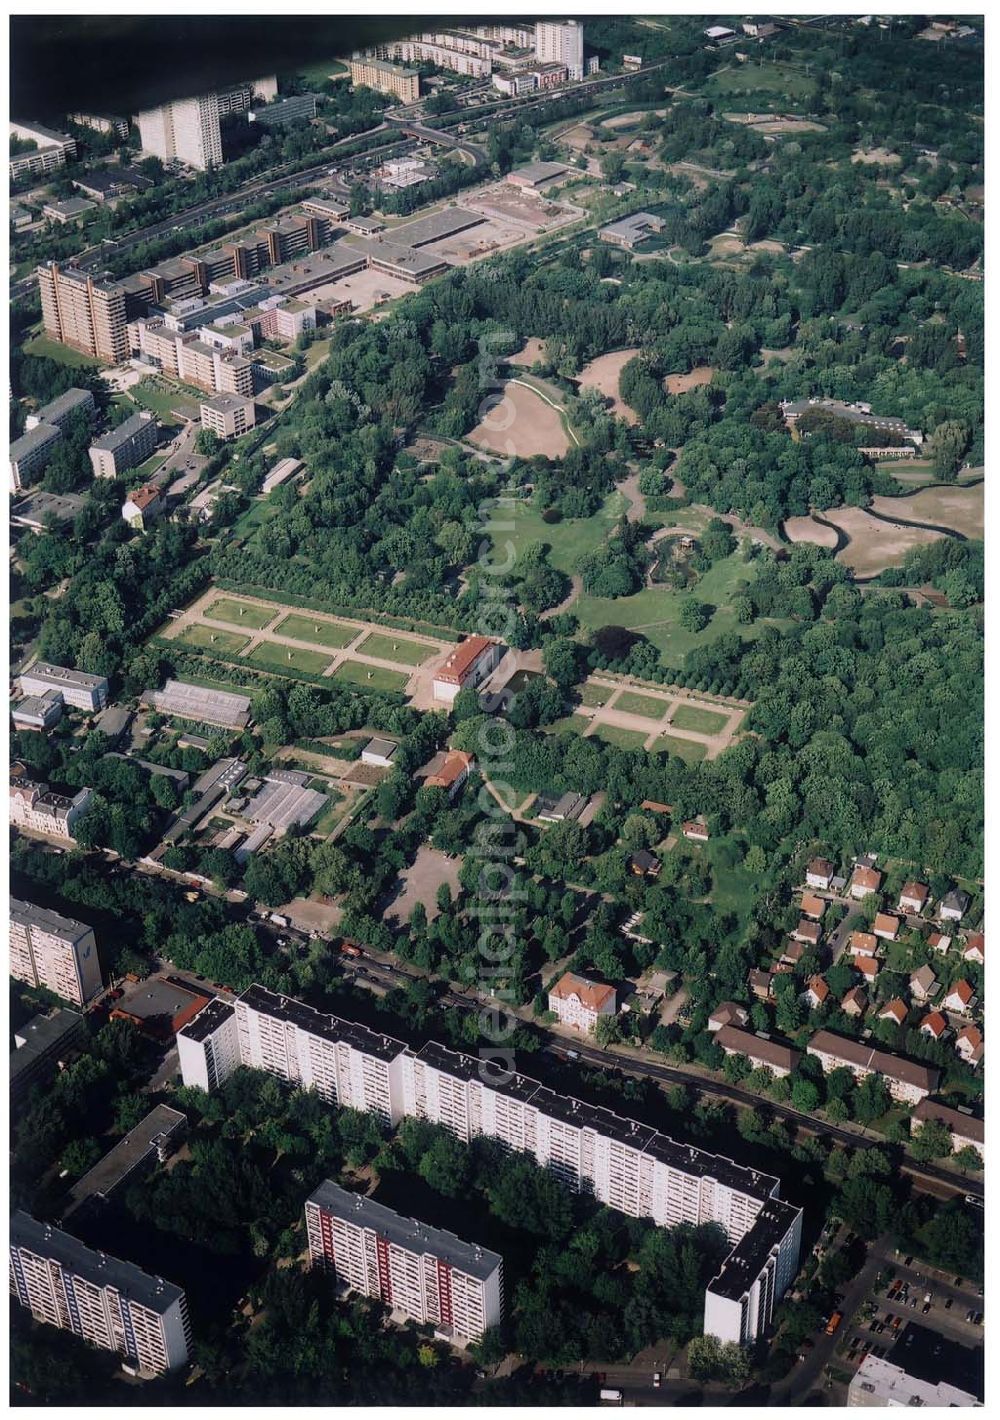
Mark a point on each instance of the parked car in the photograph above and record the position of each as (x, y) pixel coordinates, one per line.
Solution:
(947, 1304)
(978, 1319)
(925, 1308)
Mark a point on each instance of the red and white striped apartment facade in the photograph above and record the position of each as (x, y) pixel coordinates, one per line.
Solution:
(419, 1272)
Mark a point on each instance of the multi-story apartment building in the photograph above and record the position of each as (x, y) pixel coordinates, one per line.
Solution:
(208, 1047)
(627, 1165)
(56, 952)
(184, 131)
(385, 78)
(77, 688)
(59, 411)
(101, 123)
(51, 150)
(228, 415)
(560, 42)
(213, 369)
(84, 311)
(579, 1003)
(426, 49)
(34, 807)
(112, 1304)
(125, 447)
(906, 1080)
(420, 1272)
(242, 97)
(31, 453)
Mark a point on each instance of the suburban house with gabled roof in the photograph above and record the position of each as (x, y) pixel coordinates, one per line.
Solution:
(760, 1050)
(579, 1002)
(816, 992)
(894, 1010)
(922, 982)
(761, 984)
(819, 873)
(960, 997)
(644, 864)
(448, 770)
(954, 905)
(969, 1044)
(975, 948)
(695, 830)
(863, 944)
(854, 1002)
(813, 906)
(933, 1025)
(886, 926)
(793, 953)
(966, 1131)
(913, 897)
(906, 1080)
(939, 942)
(808, 932)
(727, 1013)
(142, 505)
(868, 967)
(864, 881)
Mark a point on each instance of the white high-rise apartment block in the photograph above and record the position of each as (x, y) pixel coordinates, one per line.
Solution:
(419, 1272)
(208, 1047)
(185, 131)
(627, 1165)
(112, 1304)
(560, 42)
(53, 951)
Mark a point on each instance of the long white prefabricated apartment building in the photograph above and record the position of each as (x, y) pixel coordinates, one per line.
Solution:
(420, 1272)
(112, 1304)
(626, 1165)
(47, 949)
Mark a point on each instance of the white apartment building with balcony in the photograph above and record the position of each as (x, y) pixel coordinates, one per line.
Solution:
(560, 42)
(112, 1304)
(184, 131)
(625, 1164)
(419, 1272)
(47, 949)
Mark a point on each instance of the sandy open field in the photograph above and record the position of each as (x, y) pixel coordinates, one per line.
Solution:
(694, 379)
(509, 203)
(532, 350)
(881, 156)
(603, 373)
(520, 424)
(805, 530)
(875, 545)
(577, 138)
(958, 508)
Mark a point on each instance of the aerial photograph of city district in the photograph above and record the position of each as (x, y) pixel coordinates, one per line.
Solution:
(496, 710)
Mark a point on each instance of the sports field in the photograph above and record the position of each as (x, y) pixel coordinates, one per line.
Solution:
(689, 750)
(395, 648)
(240, 613)
(634, 703)
(372, 677)
(203, 638)
(284, 658)
(318, 633)
(703, 722)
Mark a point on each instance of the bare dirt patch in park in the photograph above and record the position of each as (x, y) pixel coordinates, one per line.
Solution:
(625, 120)
(420, 883)
(530, 353)
(881, 156)
(725, 244)
(694, 379)
(875, 545)
(958, 508)
(604, 373)
(519, 423)
(807, 530)
(784, 354)
(788, 125)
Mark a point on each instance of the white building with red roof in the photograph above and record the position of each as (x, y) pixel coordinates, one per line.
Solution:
(465, 667)
(579, 1002)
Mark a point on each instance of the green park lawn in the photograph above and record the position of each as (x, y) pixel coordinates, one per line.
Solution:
(254, 618)
(168, 404)
(285, 658)
(689, 750)
(204, 638)
(634, 703)
(594, 696)
(703, 722)
(47, 349)
(624, 739)
(568, 540)
(395, 648)
(334, 634)
(773, 79)
(569, 725)
(373, 677)
(655, 611)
